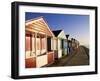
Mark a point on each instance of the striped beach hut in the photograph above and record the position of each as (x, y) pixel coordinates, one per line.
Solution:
(38, 43)
(59, 41)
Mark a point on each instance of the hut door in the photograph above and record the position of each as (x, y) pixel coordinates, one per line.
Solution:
(49, 44)
(62, 43)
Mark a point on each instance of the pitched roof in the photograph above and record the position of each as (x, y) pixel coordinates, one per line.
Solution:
(67, 36)
(56, 32)
(38, 25)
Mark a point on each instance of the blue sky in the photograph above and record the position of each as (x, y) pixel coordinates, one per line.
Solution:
(77, 26)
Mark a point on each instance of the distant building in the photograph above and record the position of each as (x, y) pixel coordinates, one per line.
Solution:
(69, 46)
(75, 43)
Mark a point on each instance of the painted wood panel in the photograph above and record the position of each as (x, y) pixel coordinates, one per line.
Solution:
(59, 44)
(41, 60)
(29, 54)
(30, 62)
(55, 44)
(27, 43)
(50, 57)
(59, 53)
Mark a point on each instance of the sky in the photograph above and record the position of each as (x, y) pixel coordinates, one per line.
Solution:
(77, 26)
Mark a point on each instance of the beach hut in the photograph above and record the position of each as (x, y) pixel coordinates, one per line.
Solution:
(67, 46)
(75, 44)
(38, 43)
(59, 41)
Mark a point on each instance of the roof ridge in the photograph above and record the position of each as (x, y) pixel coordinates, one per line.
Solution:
(34, 19)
